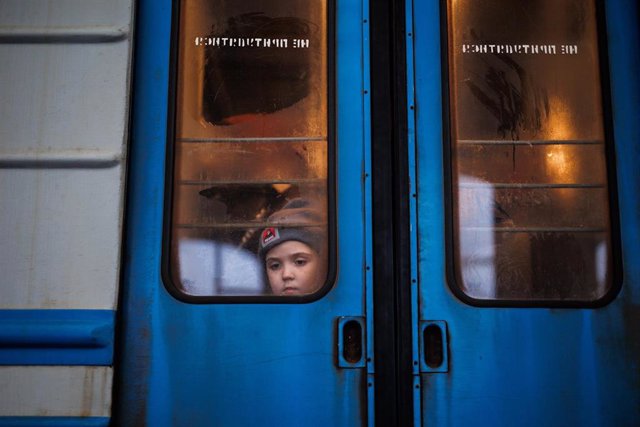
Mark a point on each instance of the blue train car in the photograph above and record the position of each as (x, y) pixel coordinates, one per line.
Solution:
(290, 213)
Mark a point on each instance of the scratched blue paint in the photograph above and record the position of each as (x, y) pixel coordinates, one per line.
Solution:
(56, 337)
(235, 364)
(54, 421)
(366, 81)
(542, 366)
(413, 223)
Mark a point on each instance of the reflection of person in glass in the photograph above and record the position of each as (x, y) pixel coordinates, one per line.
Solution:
(294, 249)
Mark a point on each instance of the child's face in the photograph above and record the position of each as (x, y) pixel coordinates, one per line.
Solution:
(293, 268)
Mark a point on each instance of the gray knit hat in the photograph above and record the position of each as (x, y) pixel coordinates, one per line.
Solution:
(299, 220)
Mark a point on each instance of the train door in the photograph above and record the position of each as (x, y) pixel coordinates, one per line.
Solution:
(248, 137)
(527, 211)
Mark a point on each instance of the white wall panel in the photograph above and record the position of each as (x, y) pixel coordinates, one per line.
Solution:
(61, 232)
(73, 391)
(17, 15)
(64, 87)
(64, 100)
(63, 97)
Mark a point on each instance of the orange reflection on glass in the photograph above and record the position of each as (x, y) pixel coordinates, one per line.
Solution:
(560, 124)
(559, 165)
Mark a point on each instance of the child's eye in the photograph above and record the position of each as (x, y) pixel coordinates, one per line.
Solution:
(300, 262)
(273, 266)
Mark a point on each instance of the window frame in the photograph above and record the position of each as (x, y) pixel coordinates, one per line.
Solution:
(453, 271)
(332, 241)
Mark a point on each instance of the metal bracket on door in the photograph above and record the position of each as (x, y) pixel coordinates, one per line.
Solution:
(351, 348)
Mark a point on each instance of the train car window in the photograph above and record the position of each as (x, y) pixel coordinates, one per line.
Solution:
(530, 199)
(250, 185)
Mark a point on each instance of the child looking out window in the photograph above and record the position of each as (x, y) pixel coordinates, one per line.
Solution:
(294, 249)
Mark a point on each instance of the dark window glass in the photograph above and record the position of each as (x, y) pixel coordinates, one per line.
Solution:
(531, 218)
(250, 171)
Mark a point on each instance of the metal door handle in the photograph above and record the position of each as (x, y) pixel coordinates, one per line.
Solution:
(351, 342)
(434, 346)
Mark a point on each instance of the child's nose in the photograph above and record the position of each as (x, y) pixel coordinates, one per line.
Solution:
(287, 272)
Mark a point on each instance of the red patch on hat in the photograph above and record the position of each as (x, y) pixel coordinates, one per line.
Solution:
(269, 235)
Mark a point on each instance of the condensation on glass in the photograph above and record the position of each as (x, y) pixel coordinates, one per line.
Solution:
(529, 174)
(251, 137)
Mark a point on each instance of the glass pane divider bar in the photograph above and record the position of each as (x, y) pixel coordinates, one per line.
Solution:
(529, 142)
(528, 186)
(260, 181)
(266, 139)
(250, 225)
(538, 229)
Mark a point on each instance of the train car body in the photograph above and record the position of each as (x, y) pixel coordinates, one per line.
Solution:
(473, 173)
(65, 87)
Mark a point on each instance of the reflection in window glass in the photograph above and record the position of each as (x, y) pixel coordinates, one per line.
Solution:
(249, 207)
(530, 198)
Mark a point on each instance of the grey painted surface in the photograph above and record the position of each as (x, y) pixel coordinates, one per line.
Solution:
(64, 91)
(54, 16)
(76, 391)
(64, 86)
